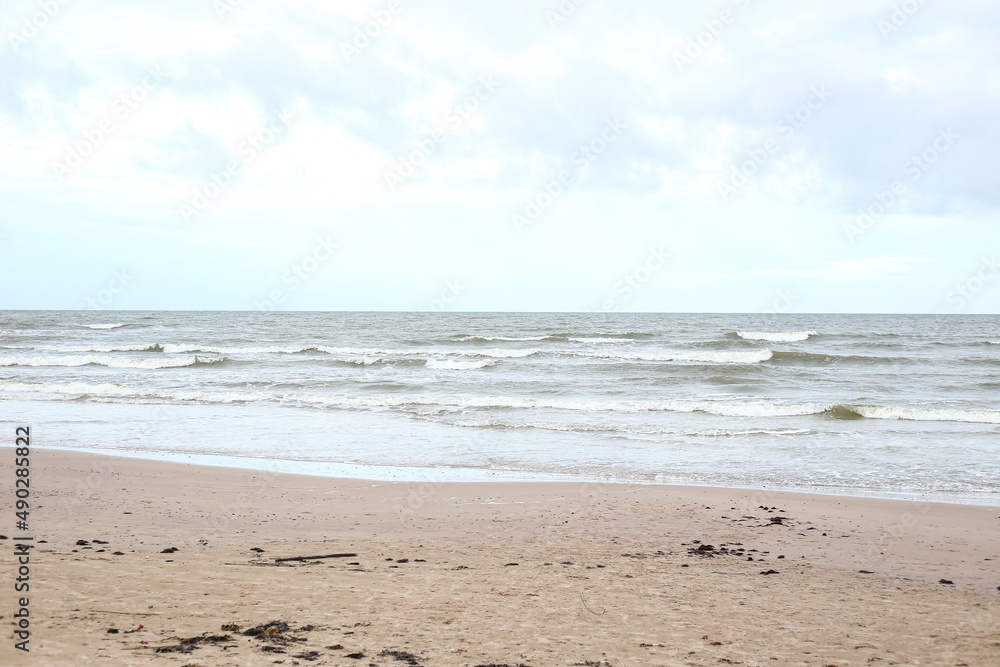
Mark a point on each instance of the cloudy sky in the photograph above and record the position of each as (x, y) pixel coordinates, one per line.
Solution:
(727, 156)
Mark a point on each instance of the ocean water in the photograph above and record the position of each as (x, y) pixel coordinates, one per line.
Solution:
(898, 406)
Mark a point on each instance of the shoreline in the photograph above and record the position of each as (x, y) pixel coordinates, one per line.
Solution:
(474, 573)
(376, 473)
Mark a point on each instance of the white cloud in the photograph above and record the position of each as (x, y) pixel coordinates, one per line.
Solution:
(687, 131)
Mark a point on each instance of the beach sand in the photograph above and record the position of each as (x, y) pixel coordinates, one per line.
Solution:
(489, 573)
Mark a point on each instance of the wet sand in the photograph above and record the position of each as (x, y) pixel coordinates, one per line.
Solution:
(488, 573)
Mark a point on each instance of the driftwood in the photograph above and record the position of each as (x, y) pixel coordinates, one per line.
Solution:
(285, 560)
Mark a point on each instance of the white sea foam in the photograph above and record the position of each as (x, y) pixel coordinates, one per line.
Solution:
(181, 348)
(495, 353)
(108, 391)
(777, 337)
(110, 362)
(364, 361)
(74, 390)
(71, 389)
(732, 409)
(465, 339)
(104, 326)
(445, 364)
(750, 409)
(498, 353)
(352, 354)
(721, 357)
(928, 414)
(747, 357)
(600, 340)
(141, 347)
(614, 428)
(368, 351)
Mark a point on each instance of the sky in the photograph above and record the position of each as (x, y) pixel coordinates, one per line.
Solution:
(728, 156)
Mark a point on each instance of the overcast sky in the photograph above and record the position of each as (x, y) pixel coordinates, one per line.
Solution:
(729, 156)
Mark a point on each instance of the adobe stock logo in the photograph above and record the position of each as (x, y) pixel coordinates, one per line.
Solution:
(968, 289)
(249, 150)
(714, 29)
(901, 15)
(914, 168)
(297, 275)
(223, 7)
(450, 293)
(563, 12)
(381, 19)
(455, 117)
(539, 202)
(791, 123)
(35, 23)
(633, 281)
(122, 108)
(120, 280)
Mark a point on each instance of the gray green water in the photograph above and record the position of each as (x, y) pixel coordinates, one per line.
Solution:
(904, 406)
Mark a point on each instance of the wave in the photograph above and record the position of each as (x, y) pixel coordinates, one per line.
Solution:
(615, 428)
(364, 361)
(110, 362)
(786, 337)
(466, 339)
(821, 357)
(748, 409)
(350, 354)
(925, 414)
(494, 353)
(498, 353)
(80, 390)
(728, 357)
(615, 336)
(105, 326)
(993, 342)
(444, 364)
(607, 337)
(181, 348)
(154, 347)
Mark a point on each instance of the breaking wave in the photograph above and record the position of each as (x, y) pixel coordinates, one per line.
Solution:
(466, 339)
(786, 337)
(110, 362)
(154, 347)
(726, 357)
(926, 414)
(747, 409)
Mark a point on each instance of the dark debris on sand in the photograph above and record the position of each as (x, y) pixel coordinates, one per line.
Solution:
(272, 649)
(311, 656)
(710, 551)
(401, 656)
(191, 643)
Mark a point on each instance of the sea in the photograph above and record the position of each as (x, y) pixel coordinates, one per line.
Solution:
(870, 405)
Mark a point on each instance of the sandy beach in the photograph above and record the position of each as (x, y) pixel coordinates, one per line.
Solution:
(139, 562)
